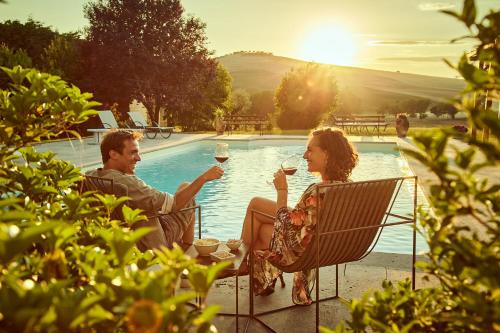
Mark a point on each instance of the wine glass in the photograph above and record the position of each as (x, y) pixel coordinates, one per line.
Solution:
(221, 153)
(289, 165)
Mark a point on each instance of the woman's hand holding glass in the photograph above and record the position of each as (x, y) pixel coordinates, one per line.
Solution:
(289, 166)
(279, 181)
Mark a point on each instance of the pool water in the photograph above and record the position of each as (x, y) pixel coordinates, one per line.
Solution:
(251, 164)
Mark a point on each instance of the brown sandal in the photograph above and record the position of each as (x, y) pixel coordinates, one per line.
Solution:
(270, 289)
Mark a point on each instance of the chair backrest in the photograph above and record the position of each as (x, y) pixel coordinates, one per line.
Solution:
(348, 206)
(106, 186)
(138, 119)
(108, 119)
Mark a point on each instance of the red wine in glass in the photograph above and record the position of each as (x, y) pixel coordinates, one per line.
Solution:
(221, 153)
(289, 166)
(221, 159)
(290, 171)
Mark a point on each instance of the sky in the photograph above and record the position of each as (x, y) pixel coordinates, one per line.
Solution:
(409, 36)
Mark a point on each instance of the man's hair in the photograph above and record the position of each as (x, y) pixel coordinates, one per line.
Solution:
(341, 154)
(114, 140)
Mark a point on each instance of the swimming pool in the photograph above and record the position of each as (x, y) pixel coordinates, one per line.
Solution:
(251, 163)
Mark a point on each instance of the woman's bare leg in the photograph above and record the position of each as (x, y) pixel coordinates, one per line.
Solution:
(262, 225)
(265, 234)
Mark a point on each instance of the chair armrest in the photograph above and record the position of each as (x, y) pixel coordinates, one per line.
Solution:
(196, 207)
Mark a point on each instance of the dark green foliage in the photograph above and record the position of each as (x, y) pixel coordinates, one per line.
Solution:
(415, 106)
(463, 231)
(63, 57)
(31, 36)
(66, 265)
(10, 58)
(36, 45)
(444, 108)
(305, 97)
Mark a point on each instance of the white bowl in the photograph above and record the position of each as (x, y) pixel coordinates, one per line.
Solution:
(206, 246)
(221, 255)
(234, 244)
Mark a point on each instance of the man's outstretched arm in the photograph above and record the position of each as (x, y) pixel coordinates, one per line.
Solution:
(183, 196)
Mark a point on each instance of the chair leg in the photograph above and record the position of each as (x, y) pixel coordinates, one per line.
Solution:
(336, 280)
(283, 285)
(317, 299)
(414, 257)
(166, 134)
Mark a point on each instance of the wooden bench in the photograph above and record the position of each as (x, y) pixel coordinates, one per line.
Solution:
(356, 123)
(233, 122)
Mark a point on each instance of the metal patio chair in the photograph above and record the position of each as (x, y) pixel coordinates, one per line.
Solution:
(350, 220)
(109, 186)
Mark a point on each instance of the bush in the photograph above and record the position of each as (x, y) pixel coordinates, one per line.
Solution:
(66, 266)
(463, 256)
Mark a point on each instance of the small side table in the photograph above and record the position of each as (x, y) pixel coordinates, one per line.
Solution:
(238, 268)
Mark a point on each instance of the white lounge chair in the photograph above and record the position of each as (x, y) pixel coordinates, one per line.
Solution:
(108, 122)
(151, 131)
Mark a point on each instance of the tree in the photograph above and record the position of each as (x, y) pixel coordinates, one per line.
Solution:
(262, 104)
(32, 37)
(444, 108)
(215, 95)
(149, 51)
(63, 57)
(9, 59)
(306, 96)
(463, 256)
(240, 102)
(415, 106)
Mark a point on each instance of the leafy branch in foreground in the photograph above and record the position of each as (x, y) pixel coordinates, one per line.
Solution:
(66, 265)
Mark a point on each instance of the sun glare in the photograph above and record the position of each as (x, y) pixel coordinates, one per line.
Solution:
(329, 45)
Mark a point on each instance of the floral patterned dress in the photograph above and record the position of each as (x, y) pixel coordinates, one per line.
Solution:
(293, 231)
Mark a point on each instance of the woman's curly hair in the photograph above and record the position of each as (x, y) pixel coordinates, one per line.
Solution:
(342, 156)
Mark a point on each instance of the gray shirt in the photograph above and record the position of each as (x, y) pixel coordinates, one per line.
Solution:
(146, 198)
(142, 195)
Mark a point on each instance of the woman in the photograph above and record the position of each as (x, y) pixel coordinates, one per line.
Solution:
(283, 238)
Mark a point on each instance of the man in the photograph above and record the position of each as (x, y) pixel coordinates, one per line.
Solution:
(120, 154)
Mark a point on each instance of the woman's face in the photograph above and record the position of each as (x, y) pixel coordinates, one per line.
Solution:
(315, 156)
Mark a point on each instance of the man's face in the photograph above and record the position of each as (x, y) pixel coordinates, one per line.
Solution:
(126, 161)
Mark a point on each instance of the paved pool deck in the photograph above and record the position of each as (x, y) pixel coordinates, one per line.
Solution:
(354, 278)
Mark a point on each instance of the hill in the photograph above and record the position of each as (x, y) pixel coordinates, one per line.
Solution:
(257, 72)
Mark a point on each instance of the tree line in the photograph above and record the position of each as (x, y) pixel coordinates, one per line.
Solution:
(149, 51)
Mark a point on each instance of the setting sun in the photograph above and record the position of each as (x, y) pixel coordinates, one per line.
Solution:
(329, 45)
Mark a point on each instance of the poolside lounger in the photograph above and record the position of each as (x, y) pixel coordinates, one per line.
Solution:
(349, 224)
(108, 122)
(151, 131)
